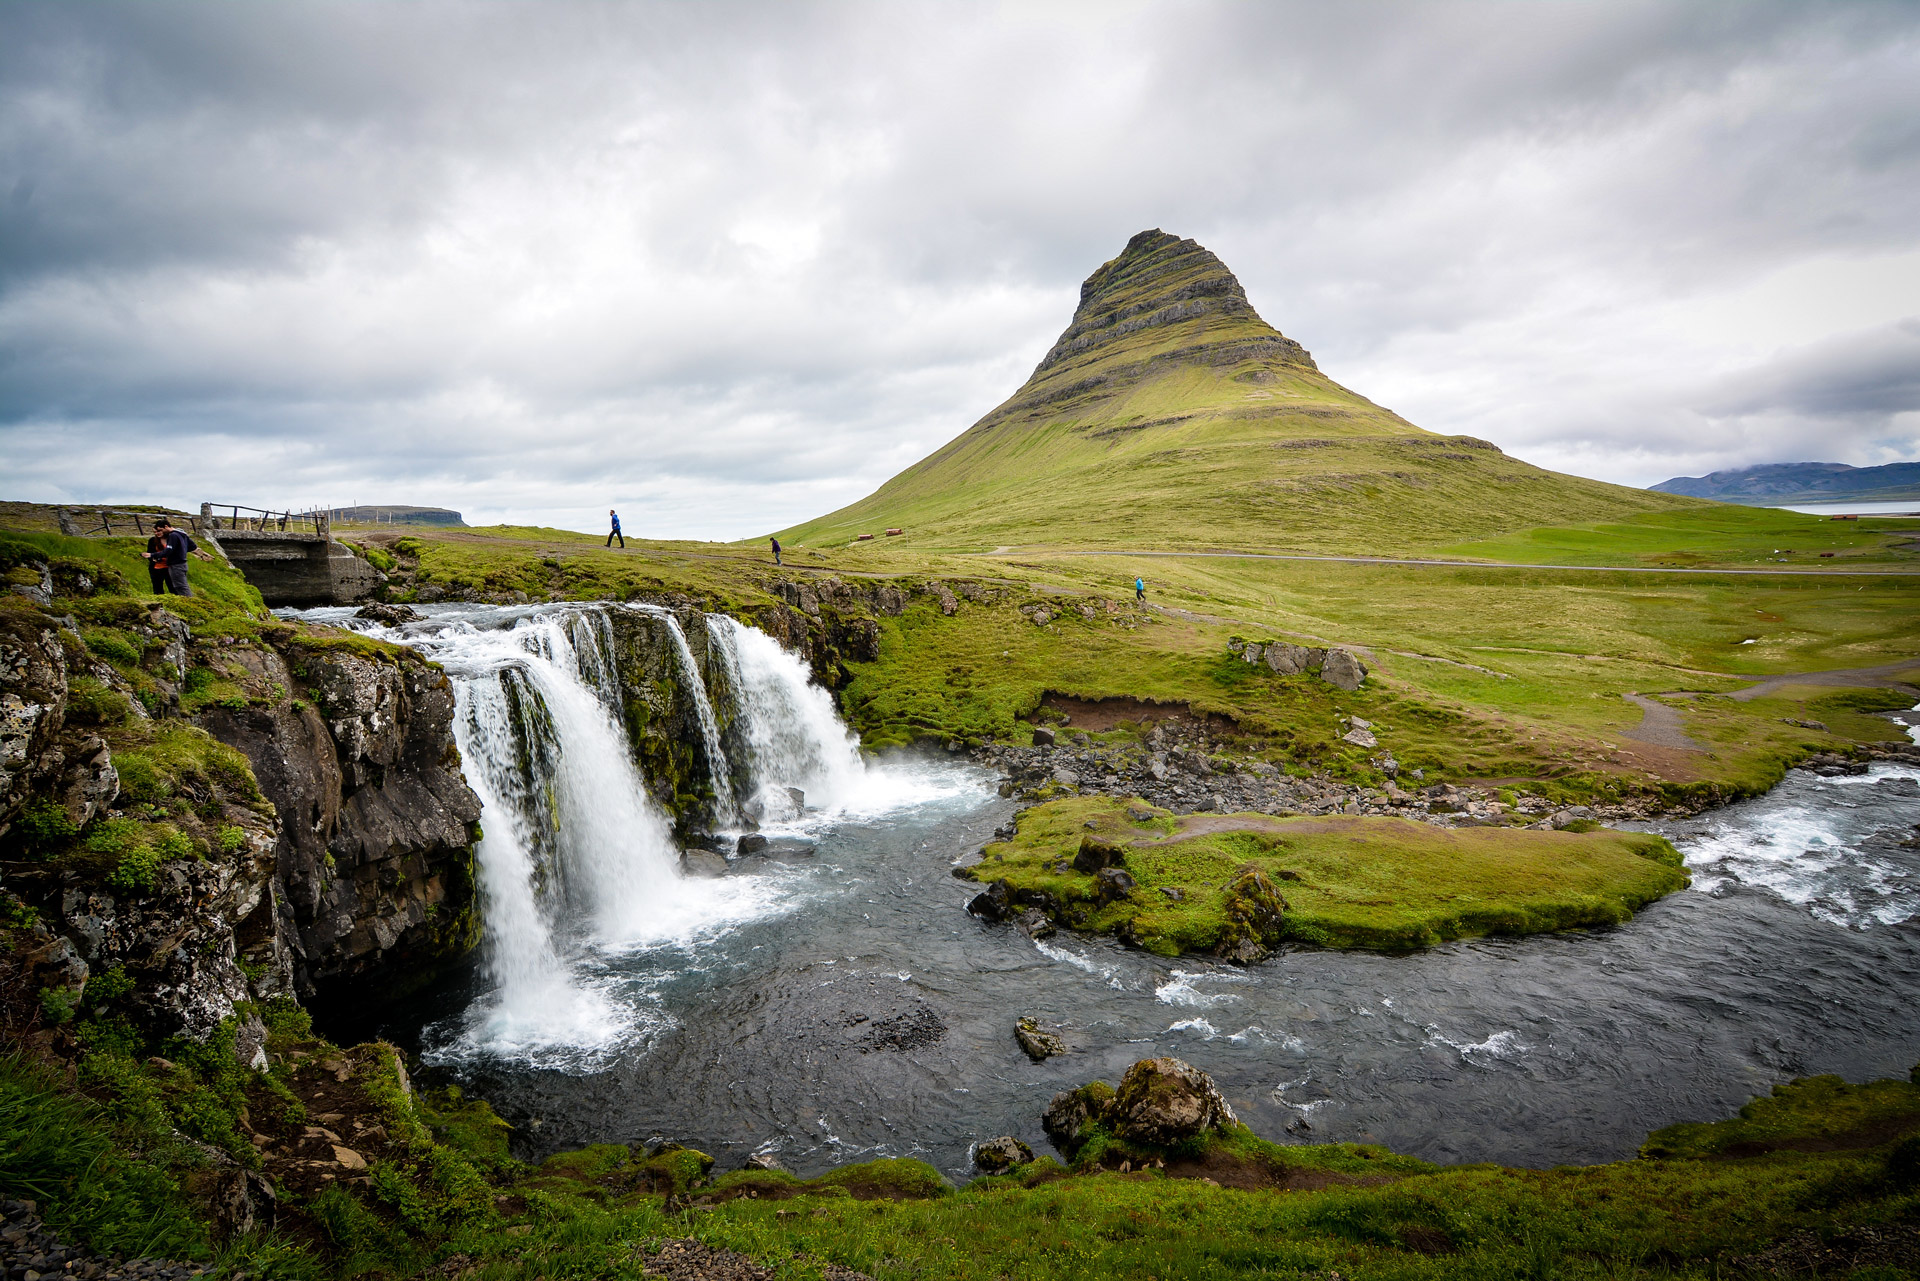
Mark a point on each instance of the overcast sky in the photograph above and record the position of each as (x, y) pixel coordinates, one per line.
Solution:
(725, 266)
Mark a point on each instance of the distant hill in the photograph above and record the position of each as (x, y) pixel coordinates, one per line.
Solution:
(1773, 484)
(1169, 414)
(397, 515)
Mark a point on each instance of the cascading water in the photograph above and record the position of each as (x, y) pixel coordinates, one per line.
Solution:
(577, 863)
(791, 736)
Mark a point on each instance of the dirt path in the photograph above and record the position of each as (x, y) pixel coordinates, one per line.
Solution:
(1480, 564)
(1880, 677)
(1659, 725)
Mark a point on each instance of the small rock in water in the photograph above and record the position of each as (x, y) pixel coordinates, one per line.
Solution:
(1037, 1041)
(1034, 924)
(798, 797)
(703, 863)
(753, 843)
(764, 1161)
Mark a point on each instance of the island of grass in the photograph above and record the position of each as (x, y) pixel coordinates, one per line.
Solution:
(1237, 885)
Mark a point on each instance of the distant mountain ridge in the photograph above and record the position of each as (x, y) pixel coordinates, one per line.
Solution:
(1774, 483)
(397, 514)
(1170, 415)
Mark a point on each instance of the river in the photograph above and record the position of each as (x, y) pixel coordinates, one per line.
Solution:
(837, 1003)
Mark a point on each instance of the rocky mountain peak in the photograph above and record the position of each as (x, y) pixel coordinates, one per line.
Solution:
(1158, 281)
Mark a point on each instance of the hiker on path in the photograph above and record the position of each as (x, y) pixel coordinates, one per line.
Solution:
(776, 550)
(1139, 590)
(166, 558)
(614, 516)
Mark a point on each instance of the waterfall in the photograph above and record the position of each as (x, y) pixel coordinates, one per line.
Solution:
(789, 733)
(576, 861)
(719, 775)
(577, 865)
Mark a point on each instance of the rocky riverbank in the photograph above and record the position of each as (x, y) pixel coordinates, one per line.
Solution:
(1187, 768)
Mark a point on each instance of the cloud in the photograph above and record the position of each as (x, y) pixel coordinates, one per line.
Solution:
(731, 265)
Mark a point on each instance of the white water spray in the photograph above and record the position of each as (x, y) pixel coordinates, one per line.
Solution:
(792, 736)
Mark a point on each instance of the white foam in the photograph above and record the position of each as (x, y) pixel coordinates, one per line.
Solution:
(1180, 989)
(1206, 1030)
(1497, 1045)
(1800, 847)
(1079, 962)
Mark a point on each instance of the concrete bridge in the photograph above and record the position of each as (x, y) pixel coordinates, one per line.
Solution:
(291, 557)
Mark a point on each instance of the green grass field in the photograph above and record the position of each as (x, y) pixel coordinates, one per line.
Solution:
(1385, 884)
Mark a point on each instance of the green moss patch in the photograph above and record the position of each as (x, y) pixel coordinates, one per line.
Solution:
(1345, 881)
(1813, 1114)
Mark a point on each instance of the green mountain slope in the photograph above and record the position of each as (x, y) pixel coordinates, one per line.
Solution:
(1170, 415)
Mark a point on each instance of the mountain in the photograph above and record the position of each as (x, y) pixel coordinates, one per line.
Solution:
(1772, 484)
(1169, 414)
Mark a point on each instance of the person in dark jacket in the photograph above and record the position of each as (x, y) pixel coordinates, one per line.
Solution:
(776, 550)
(614, 516)
(166, 557)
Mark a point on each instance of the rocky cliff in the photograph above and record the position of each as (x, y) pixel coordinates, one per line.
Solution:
(204, 808)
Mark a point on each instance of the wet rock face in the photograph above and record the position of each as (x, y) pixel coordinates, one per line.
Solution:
(1166, 1101)
(375, 863)
(662, 717)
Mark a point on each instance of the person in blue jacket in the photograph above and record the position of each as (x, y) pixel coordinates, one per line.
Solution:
(614, 516)
(166, 558)
(1139, 589)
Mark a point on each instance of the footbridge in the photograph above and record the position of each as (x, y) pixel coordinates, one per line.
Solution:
(291, 557)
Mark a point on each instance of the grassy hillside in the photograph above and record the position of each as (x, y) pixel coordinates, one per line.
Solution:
(1169, 414)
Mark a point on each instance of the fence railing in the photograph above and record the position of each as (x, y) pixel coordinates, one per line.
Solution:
(102, 522)
(216, 517)
(105, 522)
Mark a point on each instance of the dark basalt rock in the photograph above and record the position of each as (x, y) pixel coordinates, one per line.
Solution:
(993, 903)
(387, 615)
(1112, 884)
(1094, 855)
(1073, 1112)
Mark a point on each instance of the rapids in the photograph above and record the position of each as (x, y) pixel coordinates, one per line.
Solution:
(836, 1002)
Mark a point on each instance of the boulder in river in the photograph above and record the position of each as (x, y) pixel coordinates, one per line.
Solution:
(1034, 924)
(1166, 1101)
(1037, 1041)
(703, 863)
(992, 903)
(753, 843)
(387, 615)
